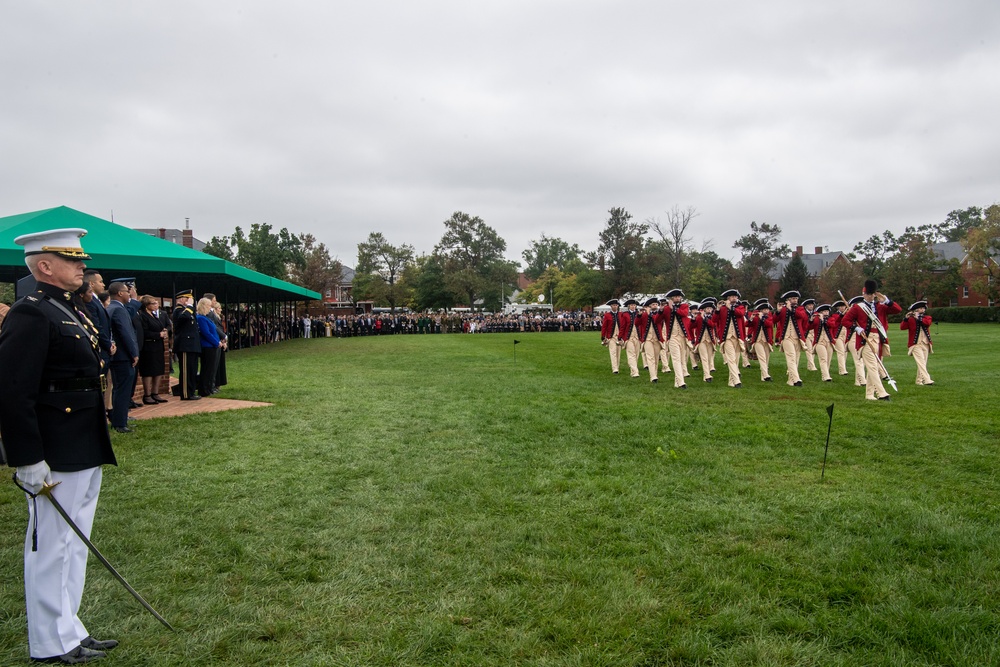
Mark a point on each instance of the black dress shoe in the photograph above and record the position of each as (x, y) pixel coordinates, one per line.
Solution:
(797, 384)
(828, 380)
(683, 386)
(708, 379)
(738, 385)
(77, 656)
(146, 400)
(884, 398)
(99, 644)
(192, 398)
(157, 399)
(133, 404)
(124, 429)
(768, 379)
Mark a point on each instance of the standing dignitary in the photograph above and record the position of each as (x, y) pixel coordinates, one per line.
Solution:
(650, 332)
(55, 431)
(861, 318)
(629, 336)
(220, 327)
(791, 325)
(703, 336)
(154, 330)
(125, 358)
(187, 343)
(730, 327)
(677, 318)
(760, 334)
(609, 334)
(918, 339)
(210, 345)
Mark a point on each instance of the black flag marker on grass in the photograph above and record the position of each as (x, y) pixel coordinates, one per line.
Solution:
(516, 341)
(829, 411)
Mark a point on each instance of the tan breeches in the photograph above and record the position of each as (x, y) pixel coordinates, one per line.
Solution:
(632, 348)
(824, 352)
(706, 350)
(810, 357)
(731, 357)
(859, 367)
(678, 350)
(793, 350)
(763, 351)
(920, 352)
(615, 350)
(840, 347)
(651, 352)
(873, 372)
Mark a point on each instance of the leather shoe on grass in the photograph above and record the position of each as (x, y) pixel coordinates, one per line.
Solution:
(99, 644)
(77, 656)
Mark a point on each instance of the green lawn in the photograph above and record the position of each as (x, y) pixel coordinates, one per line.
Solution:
(425, 500)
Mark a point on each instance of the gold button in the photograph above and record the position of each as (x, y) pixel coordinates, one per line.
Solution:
(69, 409)
(78, 336)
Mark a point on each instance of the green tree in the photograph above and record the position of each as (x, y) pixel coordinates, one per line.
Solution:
(959, 223)
(317, 270)
(426, 277)
(546, 252)
(983, 247)
(871, 255)
(673, 235)
(620, 253)
(706, 274)
(220, 246)
(758, 251)
(841, 276)
(473, 256)
(266, 252)
(795, 277)
(914, 270)
(385, 263)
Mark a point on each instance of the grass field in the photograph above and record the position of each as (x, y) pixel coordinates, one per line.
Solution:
(425, 500)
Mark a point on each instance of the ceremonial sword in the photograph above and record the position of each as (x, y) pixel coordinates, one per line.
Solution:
(46, 491)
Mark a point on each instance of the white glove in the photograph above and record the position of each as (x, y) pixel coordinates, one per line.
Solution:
(859, 331)
(33, 477)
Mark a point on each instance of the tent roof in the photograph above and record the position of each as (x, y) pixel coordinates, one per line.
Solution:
(160, 267)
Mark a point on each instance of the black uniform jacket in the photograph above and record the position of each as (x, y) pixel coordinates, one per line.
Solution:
(186, 336)
(51, 404)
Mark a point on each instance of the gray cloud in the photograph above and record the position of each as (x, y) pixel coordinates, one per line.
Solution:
(834, 121)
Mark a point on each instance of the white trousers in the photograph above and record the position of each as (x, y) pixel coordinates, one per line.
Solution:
(54, 574)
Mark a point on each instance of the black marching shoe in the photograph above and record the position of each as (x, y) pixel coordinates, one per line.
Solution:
(738, 385)
(884, 398)
(797, 384)
(683, 386)
(99, 644)
(768, 379)
(77, 656)
(708, 379)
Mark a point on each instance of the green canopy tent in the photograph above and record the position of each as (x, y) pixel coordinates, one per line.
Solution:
(160, 267)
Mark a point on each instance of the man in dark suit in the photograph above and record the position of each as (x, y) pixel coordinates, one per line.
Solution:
(187, 344)
(125, 358)
(55, 431)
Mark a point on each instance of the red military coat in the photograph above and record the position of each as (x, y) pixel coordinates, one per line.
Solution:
(857, 316)
(701, 325)
(760, 324)
(800, 320)
(608, 324)
(682, 314)
(726, 317)
(646, 319)
(914, 325)
(626, 322)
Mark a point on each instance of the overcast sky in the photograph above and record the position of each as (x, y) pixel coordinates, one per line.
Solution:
(832, 120)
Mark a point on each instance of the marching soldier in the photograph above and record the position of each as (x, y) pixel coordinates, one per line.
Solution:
(760, 335)
(677, 320)
(839, 335)
(703, 336)
(730, 327)
(609, 334)
(810, 306)
(629, 336)
(744, 348)
(664, 352)
(650, 329)
(55, 432)
(918, 340)
(821, 341)
(862, 317)
(791, 325)
(187, 344)
(851, 341)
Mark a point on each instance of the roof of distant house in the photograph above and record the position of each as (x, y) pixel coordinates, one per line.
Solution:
(174, 236)
(815, 263)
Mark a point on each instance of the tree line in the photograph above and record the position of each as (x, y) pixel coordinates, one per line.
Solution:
(467, 266)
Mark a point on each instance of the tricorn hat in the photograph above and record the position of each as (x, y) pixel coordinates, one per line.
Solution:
(729, 293)
(824, 307)
(838, 303)
(674, 292)
(761, 303)
(62, 242)
(789, 294)
(918, 304)
(806, 302)
(613, 302)
(707, 303)
(629, 302)
(857, 299)
(652, 301)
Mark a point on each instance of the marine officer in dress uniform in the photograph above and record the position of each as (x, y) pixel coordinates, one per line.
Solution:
(187, 344)
(55, 431)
